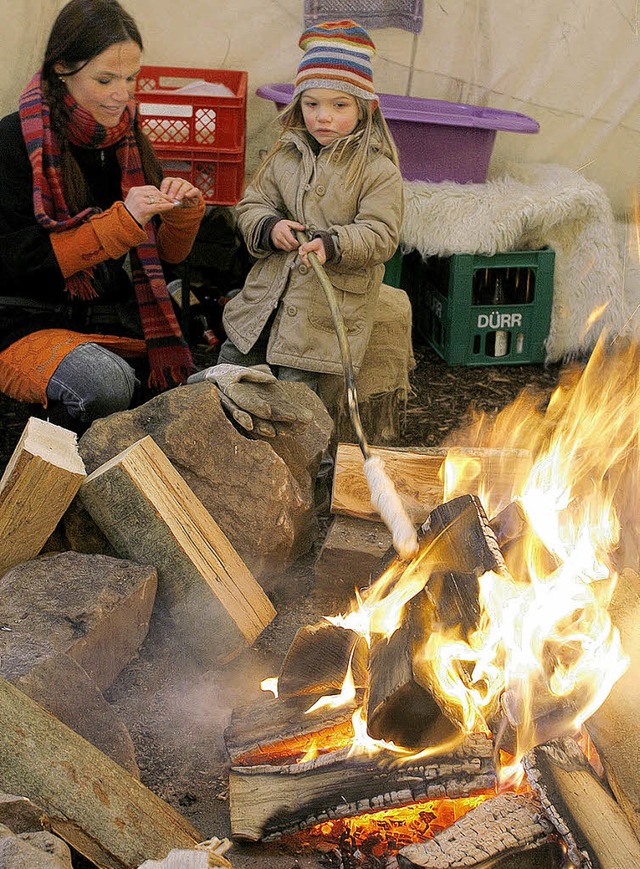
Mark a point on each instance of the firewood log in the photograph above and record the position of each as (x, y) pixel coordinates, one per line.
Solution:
(508, 831)
(417, 474)
(318, 658)
(149, 514)
(38, 484)
(405, 705)
(277, 728)
(614, 726)
(580, 806)
(401, 708)
(91, 801)
(265, 801)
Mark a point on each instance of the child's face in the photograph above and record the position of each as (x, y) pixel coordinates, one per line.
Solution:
(329, 114)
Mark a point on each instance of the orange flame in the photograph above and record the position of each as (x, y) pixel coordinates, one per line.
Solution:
(543, 652)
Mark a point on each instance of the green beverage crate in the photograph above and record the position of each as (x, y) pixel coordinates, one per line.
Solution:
(483, 310)
(393, 270)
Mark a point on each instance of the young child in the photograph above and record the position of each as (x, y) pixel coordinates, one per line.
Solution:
(332, 174)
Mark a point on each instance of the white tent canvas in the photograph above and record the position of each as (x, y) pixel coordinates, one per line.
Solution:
(571, 66)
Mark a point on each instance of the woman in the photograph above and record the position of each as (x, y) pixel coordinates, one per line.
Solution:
(85, 219)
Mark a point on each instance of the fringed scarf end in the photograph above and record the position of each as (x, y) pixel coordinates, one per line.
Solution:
(166, 378)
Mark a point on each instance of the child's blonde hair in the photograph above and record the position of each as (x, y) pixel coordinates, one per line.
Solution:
(355, 147)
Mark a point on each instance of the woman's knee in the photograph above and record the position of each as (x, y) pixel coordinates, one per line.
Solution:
(92, 382)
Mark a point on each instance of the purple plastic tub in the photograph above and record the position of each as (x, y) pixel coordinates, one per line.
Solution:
(436, 140)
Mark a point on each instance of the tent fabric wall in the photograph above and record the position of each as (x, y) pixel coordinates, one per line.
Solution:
(570, 64)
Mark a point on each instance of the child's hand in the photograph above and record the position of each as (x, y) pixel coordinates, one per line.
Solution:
(316, 245)
(282, 236)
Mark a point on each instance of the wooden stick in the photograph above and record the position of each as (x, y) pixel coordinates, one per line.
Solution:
(384, 496)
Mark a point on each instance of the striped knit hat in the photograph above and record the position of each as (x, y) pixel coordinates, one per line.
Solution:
(337, 55)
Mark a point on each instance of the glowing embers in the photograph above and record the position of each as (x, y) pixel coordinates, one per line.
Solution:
(384, 832)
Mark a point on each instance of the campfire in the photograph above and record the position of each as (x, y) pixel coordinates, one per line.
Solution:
(446, 716)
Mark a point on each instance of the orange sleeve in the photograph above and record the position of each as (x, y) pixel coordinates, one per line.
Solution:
(107, 235)
(177, 232)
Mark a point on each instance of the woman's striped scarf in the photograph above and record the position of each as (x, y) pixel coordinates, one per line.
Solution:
(169, 356)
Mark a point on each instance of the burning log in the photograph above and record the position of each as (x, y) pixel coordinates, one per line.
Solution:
(260, 732)
(318, 658)
(415, 474)
(508, 831)
(401, 708)
(149, 514)
(91, 802)
(580, 807)
(405, 703)
(510, 525)
(266, 801)
(614, 726)
(544, 717)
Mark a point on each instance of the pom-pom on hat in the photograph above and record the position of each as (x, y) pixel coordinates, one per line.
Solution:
(337, 55)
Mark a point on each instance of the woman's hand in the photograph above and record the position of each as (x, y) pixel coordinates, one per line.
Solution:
(181, 192)
(316, 245)
(145, 202)
(282, 236)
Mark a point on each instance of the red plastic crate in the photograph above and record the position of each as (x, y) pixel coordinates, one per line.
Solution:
(219, 175)
(174, 121)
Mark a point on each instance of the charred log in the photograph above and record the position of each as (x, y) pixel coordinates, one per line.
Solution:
(401, 707)
(405, 703)
(262, 732)
(508, 831)
(318, 658)
(266, 801)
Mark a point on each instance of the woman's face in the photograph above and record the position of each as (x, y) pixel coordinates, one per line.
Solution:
(329, 114)
(105, 84)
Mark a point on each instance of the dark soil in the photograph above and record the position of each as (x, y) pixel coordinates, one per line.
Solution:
(176, 712)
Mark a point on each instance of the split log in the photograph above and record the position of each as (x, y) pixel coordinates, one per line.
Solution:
(281, 730)
(39, 482)
(614, 726)
(456, 546)
(318, 659)
(580, 807)
(508, 831)
(350, 553)
(150, 515)
(417, 473)
(510, 525)
(91, 802)
(400, 708)
(265, 801)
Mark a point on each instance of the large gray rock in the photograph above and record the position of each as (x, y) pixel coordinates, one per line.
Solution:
(94, 608)
(40, 850)
(62, 687)
(260, 492)
(20, 814)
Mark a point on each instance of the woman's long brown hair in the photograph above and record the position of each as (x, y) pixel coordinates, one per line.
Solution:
(82, 31)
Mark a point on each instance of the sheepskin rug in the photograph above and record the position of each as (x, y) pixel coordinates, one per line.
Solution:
(524, 207)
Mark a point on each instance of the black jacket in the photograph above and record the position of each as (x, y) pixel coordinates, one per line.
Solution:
(31, 284)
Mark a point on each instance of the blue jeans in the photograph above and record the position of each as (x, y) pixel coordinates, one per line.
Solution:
(89, 383)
